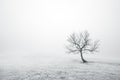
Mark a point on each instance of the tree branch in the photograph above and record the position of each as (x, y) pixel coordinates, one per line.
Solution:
(81, 42)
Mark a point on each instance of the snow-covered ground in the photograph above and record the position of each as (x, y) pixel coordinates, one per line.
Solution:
(59, 68)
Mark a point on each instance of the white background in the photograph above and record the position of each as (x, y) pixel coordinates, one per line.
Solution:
(40, 27)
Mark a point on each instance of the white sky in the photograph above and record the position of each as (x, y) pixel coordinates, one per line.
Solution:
(40, 27)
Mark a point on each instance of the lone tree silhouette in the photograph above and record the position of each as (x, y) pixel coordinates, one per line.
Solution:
(81, 43)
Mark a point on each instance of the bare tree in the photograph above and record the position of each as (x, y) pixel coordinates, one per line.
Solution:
(81, 43)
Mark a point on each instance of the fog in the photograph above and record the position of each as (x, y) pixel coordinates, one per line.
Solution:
(39, 28)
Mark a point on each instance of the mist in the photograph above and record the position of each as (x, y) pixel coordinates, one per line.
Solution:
(39, 28)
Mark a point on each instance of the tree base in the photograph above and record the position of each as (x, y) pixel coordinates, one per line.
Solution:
(84, 61)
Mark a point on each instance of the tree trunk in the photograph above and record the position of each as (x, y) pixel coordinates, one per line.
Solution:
(81, 54)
